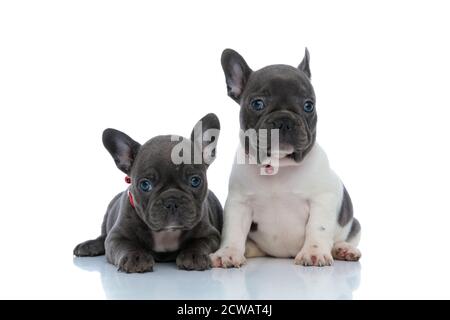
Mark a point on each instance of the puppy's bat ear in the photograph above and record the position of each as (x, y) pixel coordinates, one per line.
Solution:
(204, 137)
(236, 72)
(304, 65)
(122, 148)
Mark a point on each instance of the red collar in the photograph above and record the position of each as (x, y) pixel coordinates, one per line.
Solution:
(130, 195)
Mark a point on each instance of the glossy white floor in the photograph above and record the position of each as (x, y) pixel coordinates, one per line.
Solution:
(262, 278)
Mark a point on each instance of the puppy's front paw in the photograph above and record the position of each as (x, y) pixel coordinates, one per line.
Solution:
(193, 260)
(345, 251)
(136, 261)
(227, 257)
(314, 256)
(90, 248)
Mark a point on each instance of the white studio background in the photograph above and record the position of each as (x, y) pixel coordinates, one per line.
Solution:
(70, 69)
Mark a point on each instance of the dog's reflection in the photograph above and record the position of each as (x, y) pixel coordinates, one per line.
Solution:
(166, 282)
(261, 278)
(276, 279)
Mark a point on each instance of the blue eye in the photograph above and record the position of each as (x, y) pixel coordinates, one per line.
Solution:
(145, 185)
(257, 104)
(195, 181)
(308, 107)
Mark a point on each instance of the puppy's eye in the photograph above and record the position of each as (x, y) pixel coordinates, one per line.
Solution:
(145, 185)
(257, 104)
(195, 181)
(308, 107)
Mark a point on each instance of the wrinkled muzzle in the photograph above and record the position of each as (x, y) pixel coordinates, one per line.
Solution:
(280, 134)
(173, 210)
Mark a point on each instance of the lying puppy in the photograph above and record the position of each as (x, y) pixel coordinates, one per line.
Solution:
(168, 212)
(297, 207)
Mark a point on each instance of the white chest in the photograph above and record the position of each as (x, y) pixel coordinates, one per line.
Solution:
(280, 203)
(166, 241)
(280, 221)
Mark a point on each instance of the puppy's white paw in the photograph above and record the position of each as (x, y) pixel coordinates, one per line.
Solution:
(227, 257)
(345, 251)
(314, 256)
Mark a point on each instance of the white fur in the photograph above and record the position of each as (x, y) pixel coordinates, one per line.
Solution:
(296, 211)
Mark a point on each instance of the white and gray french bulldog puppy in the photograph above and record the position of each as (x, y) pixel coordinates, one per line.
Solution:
(168, 213)
(287, 202)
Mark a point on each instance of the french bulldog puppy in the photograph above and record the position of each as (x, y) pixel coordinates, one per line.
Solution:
(295, 206)
(168, 212)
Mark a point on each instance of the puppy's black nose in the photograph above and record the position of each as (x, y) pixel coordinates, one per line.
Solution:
(170, 204)
(283, 124)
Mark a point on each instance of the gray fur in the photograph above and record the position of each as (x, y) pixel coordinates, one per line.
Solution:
(346, 212)
(354, 230)
(304, 65)
(128, 233)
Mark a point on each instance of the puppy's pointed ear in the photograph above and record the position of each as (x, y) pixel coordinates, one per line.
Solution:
(236, 72)
(304, 65)
(204, 137)
(122, 148)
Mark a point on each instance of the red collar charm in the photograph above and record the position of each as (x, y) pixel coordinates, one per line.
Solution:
(130, 196)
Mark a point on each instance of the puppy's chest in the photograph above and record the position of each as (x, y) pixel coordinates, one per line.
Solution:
(166, 241)
(279, 222)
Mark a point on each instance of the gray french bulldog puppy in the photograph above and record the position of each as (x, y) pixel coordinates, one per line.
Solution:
(168, 213)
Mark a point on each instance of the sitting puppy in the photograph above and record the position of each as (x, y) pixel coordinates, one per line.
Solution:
(168, 212)
(298, 207)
